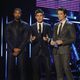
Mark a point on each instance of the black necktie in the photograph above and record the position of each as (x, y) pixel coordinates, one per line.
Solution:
(39, 28)
(60, 28)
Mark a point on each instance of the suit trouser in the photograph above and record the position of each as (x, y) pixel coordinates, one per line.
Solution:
(16, 68)
(62, 65)
(36, 63)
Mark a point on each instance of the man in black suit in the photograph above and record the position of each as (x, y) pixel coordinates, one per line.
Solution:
(17, 37)
(40, 31)
(64, 36)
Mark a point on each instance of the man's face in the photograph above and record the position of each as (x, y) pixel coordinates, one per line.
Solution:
(61, 15)
(17, 14)
(39, 17)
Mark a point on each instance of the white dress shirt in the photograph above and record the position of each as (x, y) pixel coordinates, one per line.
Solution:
(41, 27)
(63, 22)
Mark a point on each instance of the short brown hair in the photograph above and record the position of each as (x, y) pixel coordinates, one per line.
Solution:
(39, 11)
(62, 9)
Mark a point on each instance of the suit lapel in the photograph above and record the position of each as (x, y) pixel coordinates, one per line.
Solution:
(43, 27)
(36, 28)
(56, 28)
(64, 28)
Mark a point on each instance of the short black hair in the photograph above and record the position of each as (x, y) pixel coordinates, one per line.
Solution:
(39, 11)
(18, 9)
(62, 9)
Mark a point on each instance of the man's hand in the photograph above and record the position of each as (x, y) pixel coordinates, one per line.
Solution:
(45, 38)
(32, 38)
(53, 43)
(59, 42)
(15, 54)
(16, 51)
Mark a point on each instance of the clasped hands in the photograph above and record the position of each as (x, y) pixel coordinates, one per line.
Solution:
(57, 42)
(16, 51)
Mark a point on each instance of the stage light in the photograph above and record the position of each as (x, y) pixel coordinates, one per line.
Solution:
(6, 56)
(30, 22)
(1, 37)
(75, 52)
(46, 19)
(75, 17)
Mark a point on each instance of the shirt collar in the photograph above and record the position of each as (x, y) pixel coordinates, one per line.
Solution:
(39, 23)
(63, 21)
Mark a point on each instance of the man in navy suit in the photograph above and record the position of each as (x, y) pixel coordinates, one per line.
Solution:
(40, 31)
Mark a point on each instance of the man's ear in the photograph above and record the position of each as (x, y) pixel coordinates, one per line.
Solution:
(65, 15)
(35, 17)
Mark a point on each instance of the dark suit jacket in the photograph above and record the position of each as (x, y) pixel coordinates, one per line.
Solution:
(17, 34)
(39, 44)
(67, 35)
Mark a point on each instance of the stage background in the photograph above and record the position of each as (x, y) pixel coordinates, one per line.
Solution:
(49, 6)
